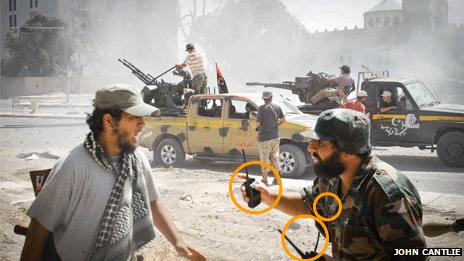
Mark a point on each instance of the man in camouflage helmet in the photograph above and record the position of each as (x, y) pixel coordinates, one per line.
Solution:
(381, 209)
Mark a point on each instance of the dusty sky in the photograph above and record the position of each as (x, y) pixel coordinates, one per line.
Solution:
(323, 14)
(330, 14)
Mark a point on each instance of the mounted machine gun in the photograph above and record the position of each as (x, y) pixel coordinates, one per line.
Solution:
(164, 95)
(303, 86)
(368, 74)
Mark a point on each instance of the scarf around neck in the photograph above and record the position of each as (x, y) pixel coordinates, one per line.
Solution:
(125, 225)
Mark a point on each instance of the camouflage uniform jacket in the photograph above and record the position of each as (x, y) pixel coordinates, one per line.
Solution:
(381, 211)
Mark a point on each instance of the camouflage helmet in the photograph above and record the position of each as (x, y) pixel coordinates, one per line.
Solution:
(348, 128)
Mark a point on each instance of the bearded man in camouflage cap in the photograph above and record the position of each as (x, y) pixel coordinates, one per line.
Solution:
(381, 208)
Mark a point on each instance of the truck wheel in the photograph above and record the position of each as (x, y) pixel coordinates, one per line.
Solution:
(169, 153)
(451, 149)
(292, 161)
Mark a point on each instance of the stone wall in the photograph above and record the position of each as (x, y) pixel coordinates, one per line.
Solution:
(23, 86)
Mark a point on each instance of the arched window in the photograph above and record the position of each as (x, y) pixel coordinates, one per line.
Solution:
(371, 23)
(377, 22)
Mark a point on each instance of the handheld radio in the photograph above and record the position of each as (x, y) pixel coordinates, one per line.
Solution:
(303, 255)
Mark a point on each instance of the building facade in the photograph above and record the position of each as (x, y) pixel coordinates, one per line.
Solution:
(384, 14)
(103, 30)
(412, 36)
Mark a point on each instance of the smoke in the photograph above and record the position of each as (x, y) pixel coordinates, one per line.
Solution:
(143, 32)
(263, 40)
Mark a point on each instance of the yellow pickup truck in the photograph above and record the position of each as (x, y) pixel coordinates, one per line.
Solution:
(219, 126)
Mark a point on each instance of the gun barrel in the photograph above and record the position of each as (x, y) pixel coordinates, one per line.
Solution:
(283, 85)
(254, 83)
(437, 229)
(146, 79)
(163, 73)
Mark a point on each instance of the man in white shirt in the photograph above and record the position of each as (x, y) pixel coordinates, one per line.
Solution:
(195, 62)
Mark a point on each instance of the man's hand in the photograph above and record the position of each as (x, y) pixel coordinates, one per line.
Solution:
(259, 186)
(165, 225)
(290, 202)
(189, 252)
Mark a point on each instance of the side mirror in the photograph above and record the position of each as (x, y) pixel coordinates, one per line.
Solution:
(253, 115)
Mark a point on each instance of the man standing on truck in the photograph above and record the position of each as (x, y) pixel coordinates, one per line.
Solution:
(345, 84)
(381, 208)
(270, 117)
(195, 62)
(100, 201)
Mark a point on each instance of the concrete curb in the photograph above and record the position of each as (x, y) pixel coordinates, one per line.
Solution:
(42, 115)
(58, 105)
(446, 202)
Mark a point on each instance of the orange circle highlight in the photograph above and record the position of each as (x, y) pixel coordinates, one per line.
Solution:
(339, 202)
(234, 200)
(284, 231)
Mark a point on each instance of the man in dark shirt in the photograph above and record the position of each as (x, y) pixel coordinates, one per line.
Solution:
(387, 103)
(269, 118)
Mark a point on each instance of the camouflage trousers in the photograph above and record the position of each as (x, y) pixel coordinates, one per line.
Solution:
(323, 94)
(269, 153)
(199, 82)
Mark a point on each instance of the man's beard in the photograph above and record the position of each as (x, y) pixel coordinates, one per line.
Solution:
(123, 141)
(328, 168)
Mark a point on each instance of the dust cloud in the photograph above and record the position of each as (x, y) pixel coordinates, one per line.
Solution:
(268, 40)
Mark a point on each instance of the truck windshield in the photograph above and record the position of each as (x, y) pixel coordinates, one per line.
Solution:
(421, 94)
(286, 106)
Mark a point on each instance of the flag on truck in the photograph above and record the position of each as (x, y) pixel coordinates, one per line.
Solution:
(222, 85)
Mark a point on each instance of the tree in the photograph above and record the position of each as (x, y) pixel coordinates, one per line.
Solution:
(253, 39)
(39, 48)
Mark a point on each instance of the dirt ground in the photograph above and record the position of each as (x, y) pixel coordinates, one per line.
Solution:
(196, 196)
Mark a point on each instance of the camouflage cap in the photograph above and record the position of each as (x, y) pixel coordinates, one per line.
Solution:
(349, 128)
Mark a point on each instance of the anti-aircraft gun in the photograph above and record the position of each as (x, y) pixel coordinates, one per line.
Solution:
(307, 86)
(164, 95)
(303, 86)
